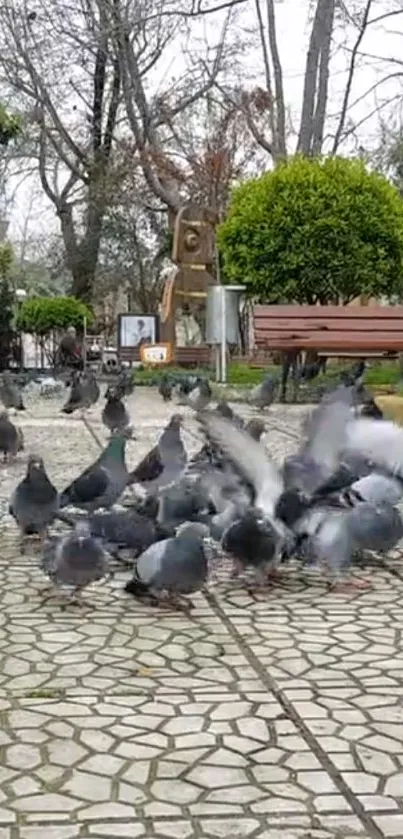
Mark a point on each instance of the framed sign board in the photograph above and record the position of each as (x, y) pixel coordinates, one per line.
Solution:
(156, 353)
(137, 330)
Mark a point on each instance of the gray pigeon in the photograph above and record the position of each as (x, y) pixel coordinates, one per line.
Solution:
(35, 501)
(126, 528)
(263, 395)
(165, 388)
(330, 536)
(102, 483)
(83, 394)
(10, 437)
(200, 396)
(91, 389)
(114, 414)
(165, 462)
(172, 567)
(255, 428)
(260, 525)
(10, 393)
(75, 560)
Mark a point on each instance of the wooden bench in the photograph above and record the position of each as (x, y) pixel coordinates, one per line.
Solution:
(198, 356)
(341, 331)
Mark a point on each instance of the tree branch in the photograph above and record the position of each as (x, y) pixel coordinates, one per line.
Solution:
(280, 136)
(350, 76)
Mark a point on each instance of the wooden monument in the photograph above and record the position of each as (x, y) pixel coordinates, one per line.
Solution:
(193, 255)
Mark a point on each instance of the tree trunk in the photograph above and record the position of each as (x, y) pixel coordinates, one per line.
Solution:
(82, 256)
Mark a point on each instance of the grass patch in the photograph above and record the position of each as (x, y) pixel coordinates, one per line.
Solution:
(380, 377)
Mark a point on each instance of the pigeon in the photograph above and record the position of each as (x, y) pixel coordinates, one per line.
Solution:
(263, 395)
(171, 568)
(76, 398)
(255, 428)
(165, 462)
(369, 408)
(200, 396)
(10, 437)
(75, 560)
(354, 374)
(102, 483)
(83, 394)
(114, 414)
(125, 528)
(35, 501)
(181, 501)
(330, 536)
(261, 523)
(165, 388)
(125, 383)
(319, 456)
(91, 389)
(251, 541)
(226, 411)
(10, 393)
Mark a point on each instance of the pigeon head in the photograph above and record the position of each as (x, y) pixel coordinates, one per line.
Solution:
(35, 464)
(255, 428)
(112, 394)
(82, 530)
(224, 409)
(176, 421)
(193, 529)
(3, 415)
(291, 505)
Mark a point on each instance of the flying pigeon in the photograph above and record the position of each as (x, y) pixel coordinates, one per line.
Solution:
(35, 501)
(75, 560)
(10, 436)
(114, 414)
(261, 523)
(165, 462)
(10, 393)
(172, 568)
(102, 483)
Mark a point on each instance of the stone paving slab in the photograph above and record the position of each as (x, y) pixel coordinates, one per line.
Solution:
(271, 717)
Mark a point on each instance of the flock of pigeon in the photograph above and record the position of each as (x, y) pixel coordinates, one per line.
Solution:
(335, 497)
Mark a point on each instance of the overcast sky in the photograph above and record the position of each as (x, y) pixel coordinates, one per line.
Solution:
(383, 39)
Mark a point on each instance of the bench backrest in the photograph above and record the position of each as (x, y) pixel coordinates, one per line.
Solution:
(329, 328)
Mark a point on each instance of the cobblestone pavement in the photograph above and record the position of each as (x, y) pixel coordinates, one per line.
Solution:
(272, 718)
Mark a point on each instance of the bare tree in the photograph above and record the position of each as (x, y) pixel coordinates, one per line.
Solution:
(58, 60)
(81, 74)
(149, 117)
(335, 27)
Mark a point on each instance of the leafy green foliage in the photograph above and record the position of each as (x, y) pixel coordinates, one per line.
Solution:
(6, 304)
(41, 315)
(6, 259)
(323, 230)
(10, 126)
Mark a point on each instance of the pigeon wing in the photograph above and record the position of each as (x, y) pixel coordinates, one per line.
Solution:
(380, 442)
(87, 487)
(250, 458)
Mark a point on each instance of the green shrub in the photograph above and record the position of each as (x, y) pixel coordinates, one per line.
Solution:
(41, 315)
(315, 231)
